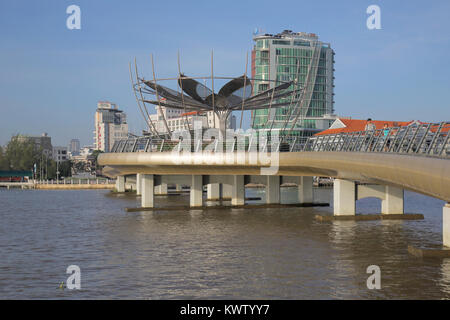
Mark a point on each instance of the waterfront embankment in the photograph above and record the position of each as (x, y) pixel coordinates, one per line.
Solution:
(73, 186)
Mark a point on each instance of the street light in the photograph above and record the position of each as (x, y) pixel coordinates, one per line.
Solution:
(57, 171)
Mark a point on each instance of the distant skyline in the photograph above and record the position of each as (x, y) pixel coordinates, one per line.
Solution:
(53, 77)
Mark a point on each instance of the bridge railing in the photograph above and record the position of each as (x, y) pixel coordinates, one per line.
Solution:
(420, 139)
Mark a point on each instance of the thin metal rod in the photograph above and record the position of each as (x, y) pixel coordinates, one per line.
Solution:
(413, 138)
(159, 100)
(245, 85)
(436, 135)
(422, 139)
(271, 99)
(221, 78)
(186, 122)
(294, 95)
(307, 83)
(444, 145)
(400, 145)
(147, 119)
(212, 87)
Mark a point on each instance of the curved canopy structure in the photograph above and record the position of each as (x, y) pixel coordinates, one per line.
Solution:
(236, 94)
(231, 96)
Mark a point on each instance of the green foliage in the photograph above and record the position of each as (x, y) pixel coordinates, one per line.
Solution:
(95, 164)
(51, 168)
(4, 165)
(21, 154)
(65, 169)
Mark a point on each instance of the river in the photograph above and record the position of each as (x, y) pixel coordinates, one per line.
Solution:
(215, 254)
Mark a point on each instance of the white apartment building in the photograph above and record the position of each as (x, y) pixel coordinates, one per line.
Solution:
(60, 154)
(178, 120)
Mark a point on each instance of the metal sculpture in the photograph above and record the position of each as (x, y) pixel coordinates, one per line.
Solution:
(235, 95)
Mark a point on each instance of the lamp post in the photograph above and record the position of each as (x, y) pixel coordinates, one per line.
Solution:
(57, 171)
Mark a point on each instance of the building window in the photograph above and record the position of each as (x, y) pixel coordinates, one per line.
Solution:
(282, 42)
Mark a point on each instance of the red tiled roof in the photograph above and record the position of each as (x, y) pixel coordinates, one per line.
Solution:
(191, 113)
(355, 125)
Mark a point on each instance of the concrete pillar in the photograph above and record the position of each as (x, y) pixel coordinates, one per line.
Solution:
(178, 187)
(147, 185)
(273, 189)
(446, 225)
(227, 190)
(393, 202)
(138, 184)
(161, 189)
(238, 191)
(344, 197)
(120, 183)
(305, 189)
(213, 191)
(196, 193)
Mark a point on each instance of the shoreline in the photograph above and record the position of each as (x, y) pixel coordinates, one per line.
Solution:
(72, 186)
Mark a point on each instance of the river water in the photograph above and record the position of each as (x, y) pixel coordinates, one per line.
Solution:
(215, 254)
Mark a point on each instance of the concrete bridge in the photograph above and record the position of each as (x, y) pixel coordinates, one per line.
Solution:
(365, 164)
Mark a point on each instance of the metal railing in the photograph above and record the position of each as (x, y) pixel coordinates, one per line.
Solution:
(423, 139)
(420, 139)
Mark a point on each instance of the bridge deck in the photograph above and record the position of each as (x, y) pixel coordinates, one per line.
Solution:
(426, 175)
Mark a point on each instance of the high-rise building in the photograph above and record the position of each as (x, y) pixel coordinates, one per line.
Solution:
(110, 125)
(294, 56)
(42, 142)
(74, 147)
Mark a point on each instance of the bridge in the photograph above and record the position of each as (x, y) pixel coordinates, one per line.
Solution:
(22, 185)
(363, 164)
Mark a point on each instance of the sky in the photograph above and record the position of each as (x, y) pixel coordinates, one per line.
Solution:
(51, 77)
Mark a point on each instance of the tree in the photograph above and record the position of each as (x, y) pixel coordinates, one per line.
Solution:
(65, 168)
(94, 163)
(21, 155)
(4, 165)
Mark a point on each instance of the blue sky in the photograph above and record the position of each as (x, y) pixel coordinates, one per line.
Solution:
(51, 78)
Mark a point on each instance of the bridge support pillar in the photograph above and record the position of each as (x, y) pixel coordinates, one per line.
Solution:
(227, 191)
(344, 197)
(273, 189)
(196, 193)
(178, 187)
(138, 184)
(446, 225)
(305, 189)
(238, 191)
(213, 191)
(393, 201)
(161, 189)
(120, 183)
(148, 185)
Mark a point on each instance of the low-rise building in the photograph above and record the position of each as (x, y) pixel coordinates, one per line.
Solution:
(60, 154)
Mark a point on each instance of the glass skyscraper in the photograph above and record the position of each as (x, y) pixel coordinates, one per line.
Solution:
(294, 56)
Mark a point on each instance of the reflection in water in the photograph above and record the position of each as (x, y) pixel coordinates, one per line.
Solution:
(233, 253)
(445, 276)
(342, 235)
